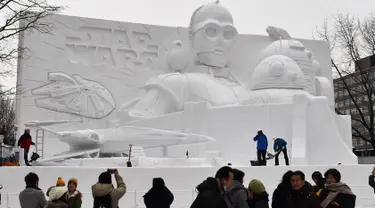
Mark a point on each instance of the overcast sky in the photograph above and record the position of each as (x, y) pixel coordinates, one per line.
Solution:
(298, 17)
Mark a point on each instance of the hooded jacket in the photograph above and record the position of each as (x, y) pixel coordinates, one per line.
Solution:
(259, 201)
(158, 198)
(238, 195)
(101, 189)
(280, 194)
(75, 200)
(32, 197)
(210, 195)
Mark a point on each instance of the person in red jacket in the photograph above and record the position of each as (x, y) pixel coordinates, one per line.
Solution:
(24, 142)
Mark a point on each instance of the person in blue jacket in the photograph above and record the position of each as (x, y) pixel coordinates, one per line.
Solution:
(279, 146)
(262, 145)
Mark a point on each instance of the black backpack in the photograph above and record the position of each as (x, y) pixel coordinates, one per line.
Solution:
(103, 201)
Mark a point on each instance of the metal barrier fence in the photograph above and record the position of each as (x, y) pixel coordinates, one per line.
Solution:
(134, 199)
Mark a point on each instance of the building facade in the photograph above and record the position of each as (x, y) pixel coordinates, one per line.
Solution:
(355, 96)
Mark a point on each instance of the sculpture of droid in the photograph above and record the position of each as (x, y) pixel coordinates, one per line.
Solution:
(212, 34)
(295, 50)
(275, 80)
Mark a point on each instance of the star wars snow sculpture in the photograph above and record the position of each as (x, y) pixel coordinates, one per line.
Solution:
(212, 34)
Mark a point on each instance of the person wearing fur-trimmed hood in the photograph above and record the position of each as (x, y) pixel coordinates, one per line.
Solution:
(74, 196)
(58, 197)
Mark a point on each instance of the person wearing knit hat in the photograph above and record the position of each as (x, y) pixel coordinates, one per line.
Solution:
(60, 182)
(258, 197)
(58, 197)
(74, 196)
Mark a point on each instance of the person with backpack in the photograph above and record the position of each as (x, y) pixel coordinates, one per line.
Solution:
(159, 196)
(105, 195)
(212, 192)
(237, 193)
(279, 146)
(262, 145)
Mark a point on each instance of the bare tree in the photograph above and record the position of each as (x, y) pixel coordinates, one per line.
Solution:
(351, 40)
(20, 16)
(7, 119)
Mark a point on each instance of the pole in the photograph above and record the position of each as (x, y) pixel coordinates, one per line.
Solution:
(1, 149)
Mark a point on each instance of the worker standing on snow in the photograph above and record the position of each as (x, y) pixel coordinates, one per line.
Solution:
(24, 142)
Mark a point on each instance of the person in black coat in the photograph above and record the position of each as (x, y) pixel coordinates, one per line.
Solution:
(336, 194)
(212, 191)
(159, 195)
(258, 196)
(282, 190)
(371, 179)
(319, 182)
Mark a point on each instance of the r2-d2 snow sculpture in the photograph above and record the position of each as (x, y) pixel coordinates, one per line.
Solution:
(277, 72)
(295, 50)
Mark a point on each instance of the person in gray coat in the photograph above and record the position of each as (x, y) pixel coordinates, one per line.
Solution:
(32, 196)
(237, 194)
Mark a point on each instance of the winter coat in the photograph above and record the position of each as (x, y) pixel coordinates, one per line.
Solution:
(32, 197)
(158, 198)
(280, 194)
(75, 200)
(279, 144)
(371, 181)
(259, 201)
(57, 204)
(209, 196)
(303, 198)
(344, 200)
(116, 194)
(262, 143)
(238, 195)
(25, 141)
(319, 187)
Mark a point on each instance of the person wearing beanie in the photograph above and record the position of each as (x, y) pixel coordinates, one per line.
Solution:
(58, 197)
(59, 182)
(258, 197)
(104, 192)
(74, 196)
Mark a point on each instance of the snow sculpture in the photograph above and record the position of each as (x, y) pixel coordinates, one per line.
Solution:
(212, 35)
(275, 79)
(74, 95)
(295, 50)
(201, 102)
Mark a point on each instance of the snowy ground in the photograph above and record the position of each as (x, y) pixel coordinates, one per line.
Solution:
(180, 180)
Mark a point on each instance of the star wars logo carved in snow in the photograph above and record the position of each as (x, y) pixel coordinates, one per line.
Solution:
(105, 46)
